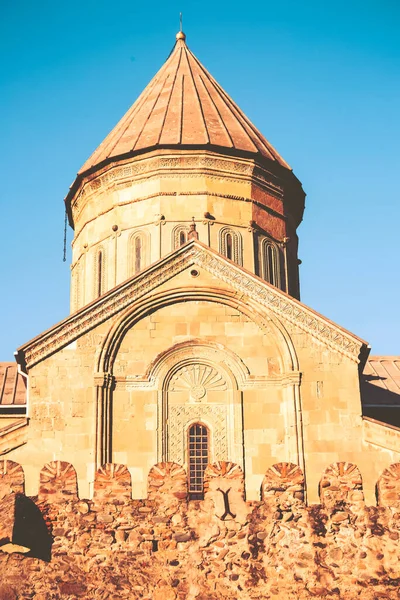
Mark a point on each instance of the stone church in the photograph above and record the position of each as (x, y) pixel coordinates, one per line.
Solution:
(187, 341)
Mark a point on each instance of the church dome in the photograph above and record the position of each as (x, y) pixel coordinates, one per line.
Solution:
(182, 106)
(183, 161)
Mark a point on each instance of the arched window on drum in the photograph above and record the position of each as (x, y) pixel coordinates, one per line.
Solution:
(230, 245)
(100, 273)
(138, 246)
(198, 458)
(179, 236)
(271, 263)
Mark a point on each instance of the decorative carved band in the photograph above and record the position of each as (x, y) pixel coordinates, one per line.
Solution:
(192, 253)
(279, 303)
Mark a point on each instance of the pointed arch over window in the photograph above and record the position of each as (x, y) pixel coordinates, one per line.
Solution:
(179, 236)
(271, 262)
(198, 458)
(100, 277)
(230, 245)
(138, 252)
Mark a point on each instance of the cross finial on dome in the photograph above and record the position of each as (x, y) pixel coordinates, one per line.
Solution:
(180, 35)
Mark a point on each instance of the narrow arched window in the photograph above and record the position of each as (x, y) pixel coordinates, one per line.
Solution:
(182, 238)
(198, 458)
(100, 273)
(179, 236)
(230, 245)
(138, 254)
(270, 263)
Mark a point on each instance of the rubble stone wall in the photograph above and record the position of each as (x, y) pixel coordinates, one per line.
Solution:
(167, 547)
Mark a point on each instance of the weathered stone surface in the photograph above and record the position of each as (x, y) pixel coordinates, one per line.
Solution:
(283, 485)
(58, 482)
(124, 548)
(340, 483)
(388, 487)
(11, 478)
(112, 484)
(224, 488)
(167, 483)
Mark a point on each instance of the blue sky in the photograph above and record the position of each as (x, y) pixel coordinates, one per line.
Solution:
(321, 80)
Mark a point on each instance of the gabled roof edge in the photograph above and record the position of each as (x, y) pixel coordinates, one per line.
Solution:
(194, 252)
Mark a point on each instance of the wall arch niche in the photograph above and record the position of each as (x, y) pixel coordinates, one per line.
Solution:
(199, 390)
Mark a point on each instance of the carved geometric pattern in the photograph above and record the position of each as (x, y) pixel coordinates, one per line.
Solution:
(58, 482)
(282, 478)
(112, 483)
(193, 253)
(388, 487)
(197, 380)
(157, 165)
(341, 482)
(11, 478)
(167, 479)
(179, 418)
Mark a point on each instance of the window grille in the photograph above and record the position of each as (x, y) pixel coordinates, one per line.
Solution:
(198, 459)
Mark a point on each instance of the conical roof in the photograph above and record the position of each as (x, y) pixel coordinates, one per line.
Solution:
(182, 106)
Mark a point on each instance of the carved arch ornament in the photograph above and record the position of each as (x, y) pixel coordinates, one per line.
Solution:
(143, 237)
(289, 376)
(236, 244)
(179, 236)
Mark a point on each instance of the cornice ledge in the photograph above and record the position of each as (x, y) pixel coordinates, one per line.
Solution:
(281, 304)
